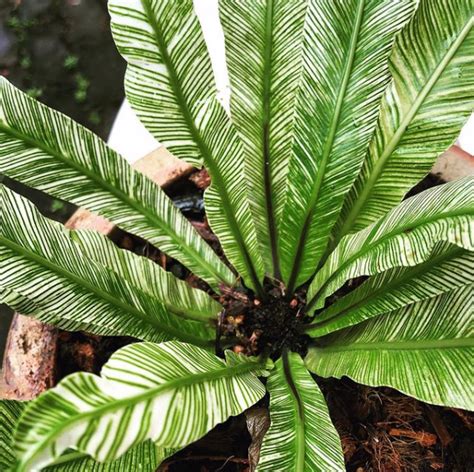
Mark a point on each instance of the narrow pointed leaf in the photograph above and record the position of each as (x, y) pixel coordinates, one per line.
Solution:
(424, 350)
(48, 151)
(171, 393)
(448, 267)
(404, 237)
(170, 85)
(422, 111)
(343, 72)
(301, 436)
(41, 262)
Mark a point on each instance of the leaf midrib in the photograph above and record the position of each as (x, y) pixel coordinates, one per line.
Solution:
(266, 121)
(148, 395)
(178, 334)
(408, 345)
(392, 144)
(409, 274)
(367, 247)
(300, 444)
(328, 146)
(152, 218)
(216, 176)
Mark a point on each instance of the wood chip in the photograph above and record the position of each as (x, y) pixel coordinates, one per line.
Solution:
(422, 437)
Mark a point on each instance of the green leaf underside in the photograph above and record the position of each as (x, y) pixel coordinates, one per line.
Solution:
(344, 71)
(171, 393)
(301, 436)
(425, 350)
(170, 86)
(403, 237)
(421, 113)
(145, 457)
(48, 151)
(42, 261)
(447, 268)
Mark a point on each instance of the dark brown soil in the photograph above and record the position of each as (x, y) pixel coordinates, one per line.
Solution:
(384, 430)
(270, 326)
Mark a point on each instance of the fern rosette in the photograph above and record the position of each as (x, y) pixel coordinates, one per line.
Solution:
(337, 110)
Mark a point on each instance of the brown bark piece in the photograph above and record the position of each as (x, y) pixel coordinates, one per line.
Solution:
(258, 422)
(29, 364)
(422, 437)
(439, 426)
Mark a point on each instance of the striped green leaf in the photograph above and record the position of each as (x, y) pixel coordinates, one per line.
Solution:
(18, 302)
(343, 72)
(10, 411)
(43, 262)
(447, 268)
(170, 85)
(424, 350)
(263, 43)
(422, 111)
(171, 393)
(145, 275)
(48, 151)
(145, 457)
(403, 237)
(301, 436)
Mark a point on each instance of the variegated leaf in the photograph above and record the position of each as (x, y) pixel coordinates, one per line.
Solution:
(264, 43)
(403, 237)
(171, 393)
(48, 151)
(42, 262)
(422, 111)
(301, 436)
(170, 85)
(144, 457)
(344, 72)
(424, 350)
(448, 267)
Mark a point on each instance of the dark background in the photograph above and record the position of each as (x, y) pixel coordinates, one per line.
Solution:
(62, 53)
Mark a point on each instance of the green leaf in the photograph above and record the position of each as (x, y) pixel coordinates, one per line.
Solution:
(145, 275)
(170, 85)
(171, 393)
(10, 411)
(422, 111)
(48, 151)
(301, 436)
(18, 302)
(447, 268)
(263, 43)
(344, 71)
(403, 237)
(424, 350)
(145, 457)
(41, 261)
